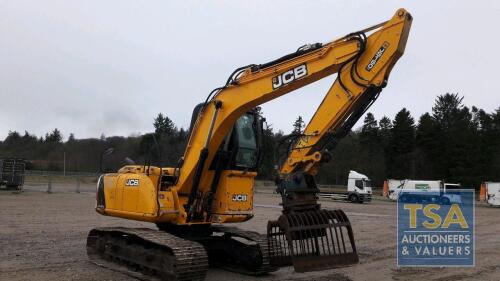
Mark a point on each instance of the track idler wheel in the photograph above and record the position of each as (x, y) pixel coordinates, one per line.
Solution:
(312, 240)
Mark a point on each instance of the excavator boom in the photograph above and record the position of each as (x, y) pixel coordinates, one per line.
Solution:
(363, 64)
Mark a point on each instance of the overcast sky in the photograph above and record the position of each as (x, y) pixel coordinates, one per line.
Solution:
(92, 67)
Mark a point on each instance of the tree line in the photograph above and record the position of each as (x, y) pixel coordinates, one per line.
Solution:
(452, 142)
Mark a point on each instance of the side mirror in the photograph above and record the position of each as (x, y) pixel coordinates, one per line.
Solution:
(129, 161)
(106, 152)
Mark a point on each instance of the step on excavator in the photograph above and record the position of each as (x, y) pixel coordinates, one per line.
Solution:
(212, 185)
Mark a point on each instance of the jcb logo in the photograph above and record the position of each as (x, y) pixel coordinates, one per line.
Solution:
(240, 198)
(289, 76)
(132, 182)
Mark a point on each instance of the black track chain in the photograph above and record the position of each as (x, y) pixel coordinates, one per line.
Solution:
(260, 239)
(190, 258)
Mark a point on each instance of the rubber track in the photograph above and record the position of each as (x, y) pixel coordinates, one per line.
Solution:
(191, 261)
(260, 240)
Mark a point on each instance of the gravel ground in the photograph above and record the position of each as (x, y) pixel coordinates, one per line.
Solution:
(42, 237)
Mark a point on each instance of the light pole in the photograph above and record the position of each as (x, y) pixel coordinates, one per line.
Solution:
(64, 163)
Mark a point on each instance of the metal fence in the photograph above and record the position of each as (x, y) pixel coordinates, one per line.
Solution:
(58, 182)
(60, 173)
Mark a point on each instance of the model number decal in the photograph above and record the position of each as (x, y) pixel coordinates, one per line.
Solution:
(132, 182)
(240, 198)
(289, 76)
(377, 56)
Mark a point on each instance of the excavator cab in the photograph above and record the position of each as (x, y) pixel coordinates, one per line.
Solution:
(246, 135)
(242, 145)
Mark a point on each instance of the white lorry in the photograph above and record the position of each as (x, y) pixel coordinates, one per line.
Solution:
(493, 193)
(359, 190)
(393, 186)
(436, 190)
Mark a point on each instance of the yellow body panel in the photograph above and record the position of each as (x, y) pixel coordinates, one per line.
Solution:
(233, 201)
(130, 193)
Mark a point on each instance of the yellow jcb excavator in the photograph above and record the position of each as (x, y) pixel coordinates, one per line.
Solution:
(213, 182)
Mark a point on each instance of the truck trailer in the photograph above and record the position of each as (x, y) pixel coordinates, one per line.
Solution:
(432, 190)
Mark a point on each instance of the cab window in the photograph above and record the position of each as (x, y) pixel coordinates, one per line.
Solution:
(247, 152)
(359, 184)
